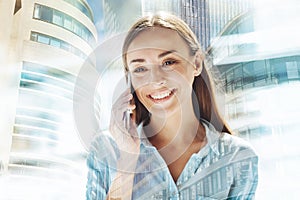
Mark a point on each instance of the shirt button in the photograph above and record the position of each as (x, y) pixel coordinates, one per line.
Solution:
(174, 194)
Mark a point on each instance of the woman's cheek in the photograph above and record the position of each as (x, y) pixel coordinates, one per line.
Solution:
(141, 95)
(185, 73)
(139, 82)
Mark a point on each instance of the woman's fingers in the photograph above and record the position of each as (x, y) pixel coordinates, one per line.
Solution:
(122, 104)
(124, 107)
(125, 96)
(133, 130)
(121, 117)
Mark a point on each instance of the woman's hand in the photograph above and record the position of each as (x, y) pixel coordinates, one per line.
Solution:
(128, 143)
(126, 137)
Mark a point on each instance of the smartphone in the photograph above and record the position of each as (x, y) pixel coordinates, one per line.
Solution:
(129, 111)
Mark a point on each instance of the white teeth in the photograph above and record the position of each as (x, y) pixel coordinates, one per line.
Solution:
(161, 96)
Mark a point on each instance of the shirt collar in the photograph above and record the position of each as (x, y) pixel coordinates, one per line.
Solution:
(212, 136)
(144, 140)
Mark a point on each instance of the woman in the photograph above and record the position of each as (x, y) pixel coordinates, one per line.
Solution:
(180, 147)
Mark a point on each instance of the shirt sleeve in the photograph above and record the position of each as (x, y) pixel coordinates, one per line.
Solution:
(245, 176)
(101, 164)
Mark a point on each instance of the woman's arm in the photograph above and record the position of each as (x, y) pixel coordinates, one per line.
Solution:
(113, 156)
(123, 129)
(111, 172)
(101, 164)
(121, 187)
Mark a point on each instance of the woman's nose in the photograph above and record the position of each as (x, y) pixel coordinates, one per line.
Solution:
(157, 77)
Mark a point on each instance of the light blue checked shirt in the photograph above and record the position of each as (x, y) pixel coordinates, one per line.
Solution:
(226, 168)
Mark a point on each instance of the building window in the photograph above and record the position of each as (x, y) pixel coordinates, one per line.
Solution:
(238, 73)
(46, 13)
(57, 18)
(61, 19)
(55, 42)
(260, 70)
(33, 36)
(254, 132)
(77, 29)
(68, 22)
(278, 69)
(47, 79)
(43, 39)
(249, 73)
(292, 70)
(80, 5)
(261, 73)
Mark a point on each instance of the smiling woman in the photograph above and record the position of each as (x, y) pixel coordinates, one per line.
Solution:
(177, 145)
(162, 72)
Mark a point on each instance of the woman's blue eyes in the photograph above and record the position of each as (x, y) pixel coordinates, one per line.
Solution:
(140, 69)
(165, 65)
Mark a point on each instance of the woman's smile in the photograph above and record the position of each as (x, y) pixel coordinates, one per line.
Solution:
(161, 96)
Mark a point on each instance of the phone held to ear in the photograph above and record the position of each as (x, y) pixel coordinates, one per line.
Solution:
(128, 112)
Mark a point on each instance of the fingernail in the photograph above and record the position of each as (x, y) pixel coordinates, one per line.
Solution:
(133, 107)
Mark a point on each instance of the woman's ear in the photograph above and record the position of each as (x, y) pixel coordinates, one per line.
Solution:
(199, 61)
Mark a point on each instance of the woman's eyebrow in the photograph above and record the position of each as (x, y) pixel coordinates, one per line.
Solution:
(166, 53)
(139, 60)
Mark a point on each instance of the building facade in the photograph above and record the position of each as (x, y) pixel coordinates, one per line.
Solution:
(207, 18)
(261, 80)
(47, 44)
(118, 16)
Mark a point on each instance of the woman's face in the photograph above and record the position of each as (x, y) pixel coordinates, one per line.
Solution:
(162, 70)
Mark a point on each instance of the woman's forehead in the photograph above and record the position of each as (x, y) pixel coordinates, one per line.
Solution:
(158, 38)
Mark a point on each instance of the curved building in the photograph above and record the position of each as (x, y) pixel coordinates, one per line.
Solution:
(48, 43)
(258, 55)
(205, 17)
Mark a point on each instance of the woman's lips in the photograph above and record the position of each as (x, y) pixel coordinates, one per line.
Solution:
(159, 97)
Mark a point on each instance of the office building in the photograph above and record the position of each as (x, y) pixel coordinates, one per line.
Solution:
(258, 57)
(44, 45)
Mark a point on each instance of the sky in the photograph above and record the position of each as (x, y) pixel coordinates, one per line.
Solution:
(96, 6)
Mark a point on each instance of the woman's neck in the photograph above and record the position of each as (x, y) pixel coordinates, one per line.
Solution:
(176, 138)
(177, 129)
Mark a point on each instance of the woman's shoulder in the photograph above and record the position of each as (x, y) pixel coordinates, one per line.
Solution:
(103, 145)
(100, 140)
(235, 141)
(236, 145)
(224, 144)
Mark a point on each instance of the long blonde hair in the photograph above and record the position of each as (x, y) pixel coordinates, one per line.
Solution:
(204, 101)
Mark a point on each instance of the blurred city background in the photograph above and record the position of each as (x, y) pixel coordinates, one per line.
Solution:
(254, 45)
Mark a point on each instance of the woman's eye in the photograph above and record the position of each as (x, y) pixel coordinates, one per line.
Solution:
(169, 63)
(139, 70)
